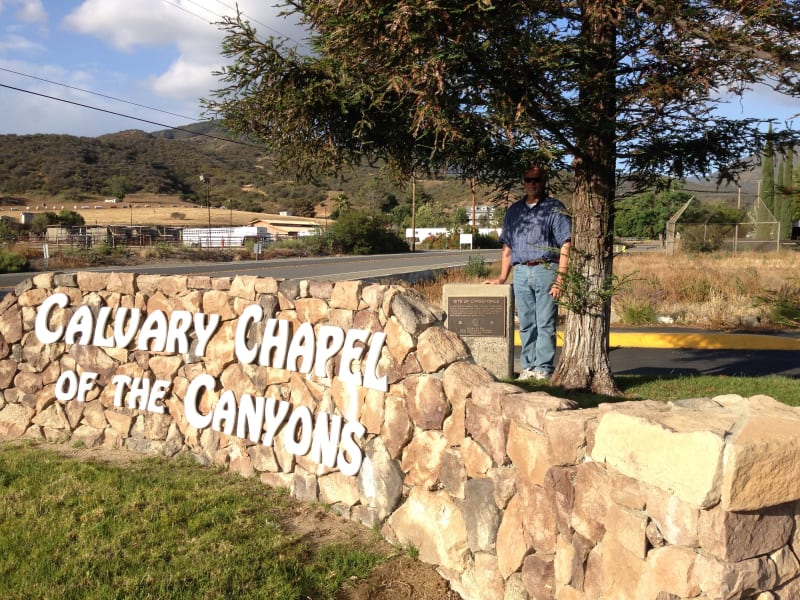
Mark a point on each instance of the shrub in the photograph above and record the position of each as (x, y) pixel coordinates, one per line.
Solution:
(638, 313)
(782, 305)
(476, 267)
(11, 262)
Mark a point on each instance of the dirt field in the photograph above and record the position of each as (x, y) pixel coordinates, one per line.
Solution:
(138, 209)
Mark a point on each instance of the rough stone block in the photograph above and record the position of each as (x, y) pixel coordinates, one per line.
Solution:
(673, 455)
(751, 480)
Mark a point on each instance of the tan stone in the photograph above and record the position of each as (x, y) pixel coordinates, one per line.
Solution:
(11, 325)
(622, 572)
(14, 420)
(432, 523)
(626, 492)
(422, 458)
(399, 341)
(560, 490)
(277, 480)
(121, 282)
(567, 434)
(591, 502)
(482, 578)
(379, 481)
(336, 487)
(455, 425)
(397, 427)
(373, 414)
(462, 377)
(346, 294)
(723, 580)
(628, 528)
(367, 321)
(262, 458)
(413, 312)
(438, 347)
(672, 570)
(453, 474)
(488, 427)
(349, 398)
(8, 369)
(512, 546)
(119, 421)
(646, 446)
(165, 367)
(28, 382)
(476, 460)
(529, 452)
(504, 480)
(217, 302)
(677, 521)
(94, 415)
(737, 536)
(750, 480)
(311, 310)
(244, 286)
(538, 577)
(564, 562)
(786, 564)
(540, 523)
(533, 408)
(53, 417)
(427, 404)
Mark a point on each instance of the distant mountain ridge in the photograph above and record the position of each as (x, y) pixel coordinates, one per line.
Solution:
(171, 161)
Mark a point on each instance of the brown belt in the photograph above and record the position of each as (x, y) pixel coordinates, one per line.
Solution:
(533, 263)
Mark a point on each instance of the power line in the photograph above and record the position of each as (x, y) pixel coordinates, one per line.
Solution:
(72, 87)
(119, 114)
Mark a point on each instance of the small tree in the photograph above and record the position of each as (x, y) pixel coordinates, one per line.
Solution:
(69, 218)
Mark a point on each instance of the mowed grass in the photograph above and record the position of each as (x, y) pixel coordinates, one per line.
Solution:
(155, 529)
(681, 387)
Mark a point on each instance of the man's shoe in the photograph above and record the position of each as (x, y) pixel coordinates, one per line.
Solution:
(536, 374)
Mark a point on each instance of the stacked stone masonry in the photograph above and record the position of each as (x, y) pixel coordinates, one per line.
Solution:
(511, 494)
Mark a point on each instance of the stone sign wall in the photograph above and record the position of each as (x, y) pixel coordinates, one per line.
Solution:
(355, 395)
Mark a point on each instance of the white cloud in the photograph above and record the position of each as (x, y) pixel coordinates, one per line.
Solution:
(29, 11)
(187, 26)
(13, 43)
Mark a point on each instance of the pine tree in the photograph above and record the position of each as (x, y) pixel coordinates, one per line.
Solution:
(601, 88)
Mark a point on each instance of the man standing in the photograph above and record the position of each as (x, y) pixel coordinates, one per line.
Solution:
(536, 237)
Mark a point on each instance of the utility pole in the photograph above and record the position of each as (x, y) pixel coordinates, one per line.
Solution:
(207, 181)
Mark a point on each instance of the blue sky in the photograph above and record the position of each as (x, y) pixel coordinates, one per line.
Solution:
(156, 53)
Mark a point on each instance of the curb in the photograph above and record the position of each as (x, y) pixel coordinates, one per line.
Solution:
(693, 340)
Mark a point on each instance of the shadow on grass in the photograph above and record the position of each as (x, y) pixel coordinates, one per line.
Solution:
(668, 387)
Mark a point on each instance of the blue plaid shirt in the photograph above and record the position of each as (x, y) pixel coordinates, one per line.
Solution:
(538, 232)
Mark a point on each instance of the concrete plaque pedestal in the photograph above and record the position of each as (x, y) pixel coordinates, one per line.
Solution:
(483, 316)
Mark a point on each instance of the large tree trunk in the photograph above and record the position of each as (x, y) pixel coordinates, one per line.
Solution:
(584, 362)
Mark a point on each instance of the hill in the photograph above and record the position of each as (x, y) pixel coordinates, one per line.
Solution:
(69, 170)
(74, 171)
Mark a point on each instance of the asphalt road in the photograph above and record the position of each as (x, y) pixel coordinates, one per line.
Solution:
(322, 267)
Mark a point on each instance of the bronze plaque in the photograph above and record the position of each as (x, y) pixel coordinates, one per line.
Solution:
(482, 316)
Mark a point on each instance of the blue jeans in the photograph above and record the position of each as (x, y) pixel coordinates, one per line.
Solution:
(537, 312)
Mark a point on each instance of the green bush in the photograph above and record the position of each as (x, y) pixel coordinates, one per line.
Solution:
(638, 313)
(11, 262)
(476, 267)
(364, 232)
